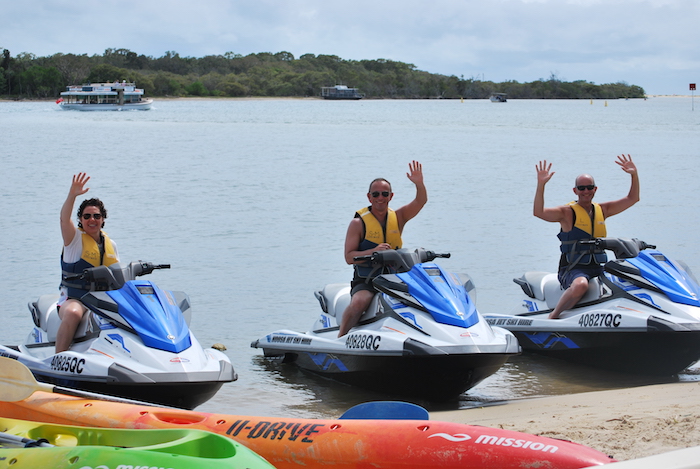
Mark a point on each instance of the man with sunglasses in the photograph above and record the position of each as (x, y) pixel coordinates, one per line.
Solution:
(581, 220)
(83, 247)
(376, 228)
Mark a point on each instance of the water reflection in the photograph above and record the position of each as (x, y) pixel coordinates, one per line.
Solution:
(524, 376)
(327, 398)
(530, 375)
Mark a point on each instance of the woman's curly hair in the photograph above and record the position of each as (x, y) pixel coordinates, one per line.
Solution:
(94, 202)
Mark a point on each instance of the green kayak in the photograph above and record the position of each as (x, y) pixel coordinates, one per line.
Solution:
(25, 444)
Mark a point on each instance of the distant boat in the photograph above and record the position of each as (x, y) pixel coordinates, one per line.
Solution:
(498, 97)
(103, 97)
(340, 92)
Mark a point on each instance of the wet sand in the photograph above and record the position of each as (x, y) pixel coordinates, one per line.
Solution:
(626, 424)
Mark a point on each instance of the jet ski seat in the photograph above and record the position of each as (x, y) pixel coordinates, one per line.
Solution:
(545, 286)
(335, 297)
(45, 316)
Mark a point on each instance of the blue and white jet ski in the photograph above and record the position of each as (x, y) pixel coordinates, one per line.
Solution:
(135, 342)
(642, 315)
(421, 336)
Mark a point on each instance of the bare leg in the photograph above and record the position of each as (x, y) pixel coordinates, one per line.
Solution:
(71, 312)
(571, 296)
(358, 304)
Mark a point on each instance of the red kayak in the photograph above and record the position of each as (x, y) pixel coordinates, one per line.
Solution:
(316, 443)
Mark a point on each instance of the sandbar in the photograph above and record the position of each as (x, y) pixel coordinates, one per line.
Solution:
(626, 424)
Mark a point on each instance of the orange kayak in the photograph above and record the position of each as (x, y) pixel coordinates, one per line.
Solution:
(316, 443)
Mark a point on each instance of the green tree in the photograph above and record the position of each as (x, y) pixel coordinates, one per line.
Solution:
(230, 86)
(278, 74)
(106, 73)
(41, 82)
(172, 62)
(211, 82)
(196, 89)
(310, 83)
(284, 56)
(3, 81)
(143, 81)
(116, 57)
(74, 69)
(6, 57)
(168, 84)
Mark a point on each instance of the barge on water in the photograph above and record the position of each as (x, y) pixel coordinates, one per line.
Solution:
(340, 92)
(104, 97)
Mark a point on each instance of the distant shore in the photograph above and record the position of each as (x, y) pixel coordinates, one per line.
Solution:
(249, 98)
(173, 98)
(625, 423)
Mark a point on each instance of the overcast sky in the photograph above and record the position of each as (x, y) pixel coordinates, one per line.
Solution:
(651, 43)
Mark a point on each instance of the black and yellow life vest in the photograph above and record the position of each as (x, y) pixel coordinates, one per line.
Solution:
(375, 234)
(585, 227)
(92, 256)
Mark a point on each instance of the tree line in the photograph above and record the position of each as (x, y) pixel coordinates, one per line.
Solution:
(273, 75)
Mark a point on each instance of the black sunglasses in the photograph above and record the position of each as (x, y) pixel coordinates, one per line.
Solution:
(590, 187)
(96, 216)
(375, 194)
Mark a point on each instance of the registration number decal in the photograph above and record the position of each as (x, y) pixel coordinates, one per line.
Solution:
(66, 363)
(600, 320)
(363, 341)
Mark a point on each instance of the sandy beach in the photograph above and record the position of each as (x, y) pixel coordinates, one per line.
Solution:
(626, 424)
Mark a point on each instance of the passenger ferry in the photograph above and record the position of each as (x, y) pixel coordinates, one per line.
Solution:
(340, 92)
(104, 97)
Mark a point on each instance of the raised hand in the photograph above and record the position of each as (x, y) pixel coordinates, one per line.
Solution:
(77, 187)
(416, 172)
(543, 174)
(626, 164)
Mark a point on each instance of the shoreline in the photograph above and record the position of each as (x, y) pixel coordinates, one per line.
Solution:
(254, 98)
(626, 423)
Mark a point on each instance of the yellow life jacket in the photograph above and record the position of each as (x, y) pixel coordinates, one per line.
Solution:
(583, 220)
(376, 234)
(584, 228)
(90, 257)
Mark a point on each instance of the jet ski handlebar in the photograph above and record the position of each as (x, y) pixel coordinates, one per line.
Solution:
(114, 277)
(624, 248)
(401, 260)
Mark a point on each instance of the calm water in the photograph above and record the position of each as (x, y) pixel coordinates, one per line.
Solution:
(249, 201)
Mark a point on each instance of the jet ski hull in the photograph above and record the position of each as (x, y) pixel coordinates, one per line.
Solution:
(182, 394)
(433, 377)
(386, 354)
(652, 353)
(618, 336)
(174, 386)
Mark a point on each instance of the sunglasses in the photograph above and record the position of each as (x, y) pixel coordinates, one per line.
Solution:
(375, 194)
(589, 187)
(96, 216)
